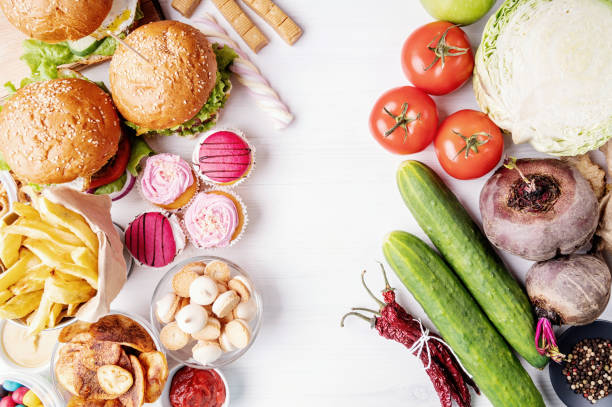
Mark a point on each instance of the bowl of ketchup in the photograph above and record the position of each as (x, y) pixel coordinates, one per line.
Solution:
(192, 387)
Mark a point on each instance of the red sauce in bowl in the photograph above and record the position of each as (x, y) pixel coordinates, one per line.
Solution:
(197, 388)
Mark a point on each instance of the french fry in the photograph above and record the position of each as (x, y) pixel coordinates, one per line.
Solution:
(20, 305)
(9, 248)
(63, 291)
(60, 261)
(5, 296)
(34, 280)
(41, 316)
(58, 215)
(242, 23)
(72, 310)
(83, 257)
(37, 229)
(54, 315)
(277, 19)
(18, 270)
(25, 211)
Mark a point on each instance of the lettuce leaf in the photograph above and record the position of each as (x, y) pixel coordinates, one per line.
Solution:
(206, 118)
(112, 187)
(140, 150)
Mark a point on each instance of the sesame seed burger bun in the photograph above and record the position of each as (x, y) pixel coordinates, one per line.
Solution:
(55, 131)
(56, 20)
(177, 83)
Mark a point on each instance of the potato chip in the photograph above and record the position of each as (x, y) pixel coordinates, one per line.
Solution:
(114, 379)
(68, 333)
(135, 396)
(123, 330)
(59, 215)
(63, 291)
(155, 367)
(20, 305)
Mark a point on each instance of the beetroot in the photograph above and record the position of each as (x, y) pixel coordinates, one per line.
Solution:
(539, 209)
(570, 290)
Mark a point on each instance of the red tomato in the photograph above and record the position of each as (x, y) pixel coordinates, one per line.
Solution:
(115, 167)
(437, 58)
(404, 120)
(468, 144)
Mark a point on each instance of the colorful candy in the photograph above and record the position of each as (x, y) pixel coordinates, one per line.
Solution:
(10, 385)
(30, 399)
(7, 401)
(13, 394)
(19, 393)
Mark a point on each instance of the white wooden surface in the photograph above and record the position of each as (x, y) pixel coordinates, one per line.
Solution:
(320, 201)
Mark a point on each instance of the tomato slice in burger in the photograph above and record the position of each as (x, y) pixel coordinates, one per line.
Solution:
(115, 167)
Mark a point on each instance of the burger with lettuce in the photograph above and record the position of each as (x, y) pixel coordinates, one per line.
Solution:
(67, 130)
(65, 33)
(177, 84)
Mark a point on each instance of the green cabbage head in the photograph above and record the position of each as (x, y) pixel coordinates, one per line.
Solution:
(544, 73)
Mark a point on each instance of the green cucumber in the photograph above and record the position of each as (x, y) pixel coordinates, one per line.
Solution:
(462, 324)
(471, 256)
(83, 46)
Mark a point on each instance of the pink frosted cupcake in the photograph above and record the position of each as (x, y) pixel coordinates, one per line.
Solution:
(154, 239)
(223, 157)
(214, 219)
(168, 181)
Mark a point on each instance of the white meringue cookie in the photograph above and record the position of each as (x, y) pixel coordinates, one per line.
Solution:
(205, 352)
(165, 308)
(225, 303)
(191, 318)
(246, 310)
(203, 290)
(225, 343)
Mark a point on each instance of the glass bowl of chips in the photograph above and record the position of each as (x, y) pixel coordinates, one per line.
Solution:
(119, 356)
(206, 312)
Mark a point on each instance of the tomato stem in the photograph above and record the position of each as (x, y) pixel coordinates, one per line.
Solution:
(442, 50)
(472, 143)
(401, 120)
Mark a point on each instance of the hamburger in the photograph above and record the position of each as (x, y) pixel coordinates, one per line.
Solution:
(66, 130)
(179, 88)
(65, 33)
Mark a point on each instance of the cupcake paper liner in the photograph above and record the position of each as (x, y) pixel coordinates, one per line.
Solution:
(153, 205)
(208, 181)
(180, 238)
(245, 223)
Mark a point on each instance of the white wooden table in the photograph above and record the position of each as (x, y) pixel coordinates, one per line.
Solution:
(320, 201)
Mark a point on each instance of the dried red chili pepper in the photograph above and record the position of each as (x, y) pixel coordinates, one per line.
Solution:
(393, 322)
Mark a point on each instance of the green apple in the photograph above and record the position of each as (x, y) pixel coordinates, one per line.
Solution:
(458, 11)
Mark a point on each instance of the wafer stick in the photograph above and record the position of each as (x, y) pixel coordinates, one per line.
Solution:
(244, 26)
(248, 74)
(277, 18)
(185, 7)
